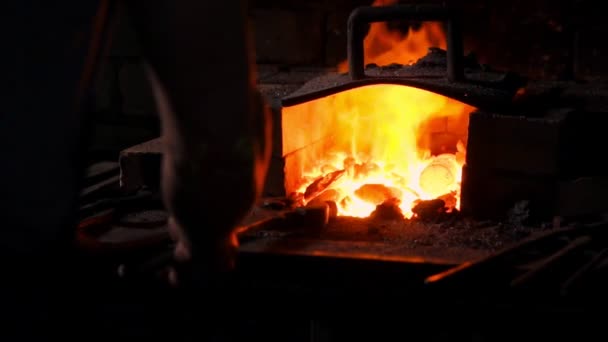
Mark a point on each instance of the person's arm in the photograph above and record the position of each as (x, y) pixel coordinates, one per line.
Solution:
(215, 127)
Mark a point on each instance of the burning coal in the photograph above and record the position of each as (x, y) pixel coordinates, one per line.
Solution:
(377, 148)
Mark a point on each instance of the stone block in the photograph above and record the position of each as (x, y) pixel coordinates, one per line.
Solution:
(512, 143)
(140, 166)
(490, 194)
(566, 143)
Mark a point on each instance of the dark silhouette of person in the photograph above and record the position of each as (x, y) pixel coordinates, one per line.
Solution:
(215, 130)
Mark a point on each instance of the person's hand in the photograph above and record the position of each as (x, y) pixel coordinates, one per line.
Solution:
(213, 254)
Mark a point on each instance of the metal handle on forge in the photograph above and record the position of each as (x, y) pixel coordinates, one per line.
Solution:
(362, 16)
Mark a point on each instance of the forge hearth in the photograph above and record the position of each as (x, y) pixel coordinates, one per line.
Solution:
(372, 143)
(524, 142)
(544, 151)
(395, 133)
(483, 140)
(449, 241)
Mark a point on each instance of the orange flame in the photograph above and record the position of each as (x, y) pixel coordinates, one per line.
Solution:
(384, 46)
(379, 135)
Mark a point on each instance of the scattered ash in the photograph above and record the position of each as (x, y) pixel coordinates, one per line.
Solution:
(433, 233)
(433, 226)
(457, 238)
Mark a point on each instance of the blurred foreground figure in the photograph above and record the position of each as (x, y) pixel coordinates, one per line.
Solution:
(215, 128)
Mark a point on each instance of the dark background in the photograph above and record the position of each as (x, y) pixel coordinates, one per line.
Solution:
(538, 38)
(296, 40)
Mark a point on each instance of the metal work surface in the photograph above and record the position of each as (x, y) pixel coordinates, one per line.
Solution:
(482, 89)
(324, 263)
(561, 269)
(447, 242)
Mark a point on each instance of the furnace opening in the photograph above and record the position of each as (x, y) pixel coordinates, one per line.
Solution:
(375, 144)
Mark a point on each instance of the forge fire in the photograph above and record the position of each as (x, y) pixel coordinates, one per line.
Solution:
(384, 46)
(378, 143)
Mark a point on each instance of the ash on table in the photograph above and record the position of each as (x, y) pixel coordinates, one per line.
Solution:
(455, 238)
(433, 233)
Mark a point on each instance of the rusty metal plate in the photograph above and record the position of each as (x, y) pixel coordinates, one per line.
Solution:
(482, 87)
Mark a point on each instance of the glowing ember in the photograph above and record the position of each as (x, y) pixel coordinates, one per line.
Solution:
(380, 148)
(384, 46)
